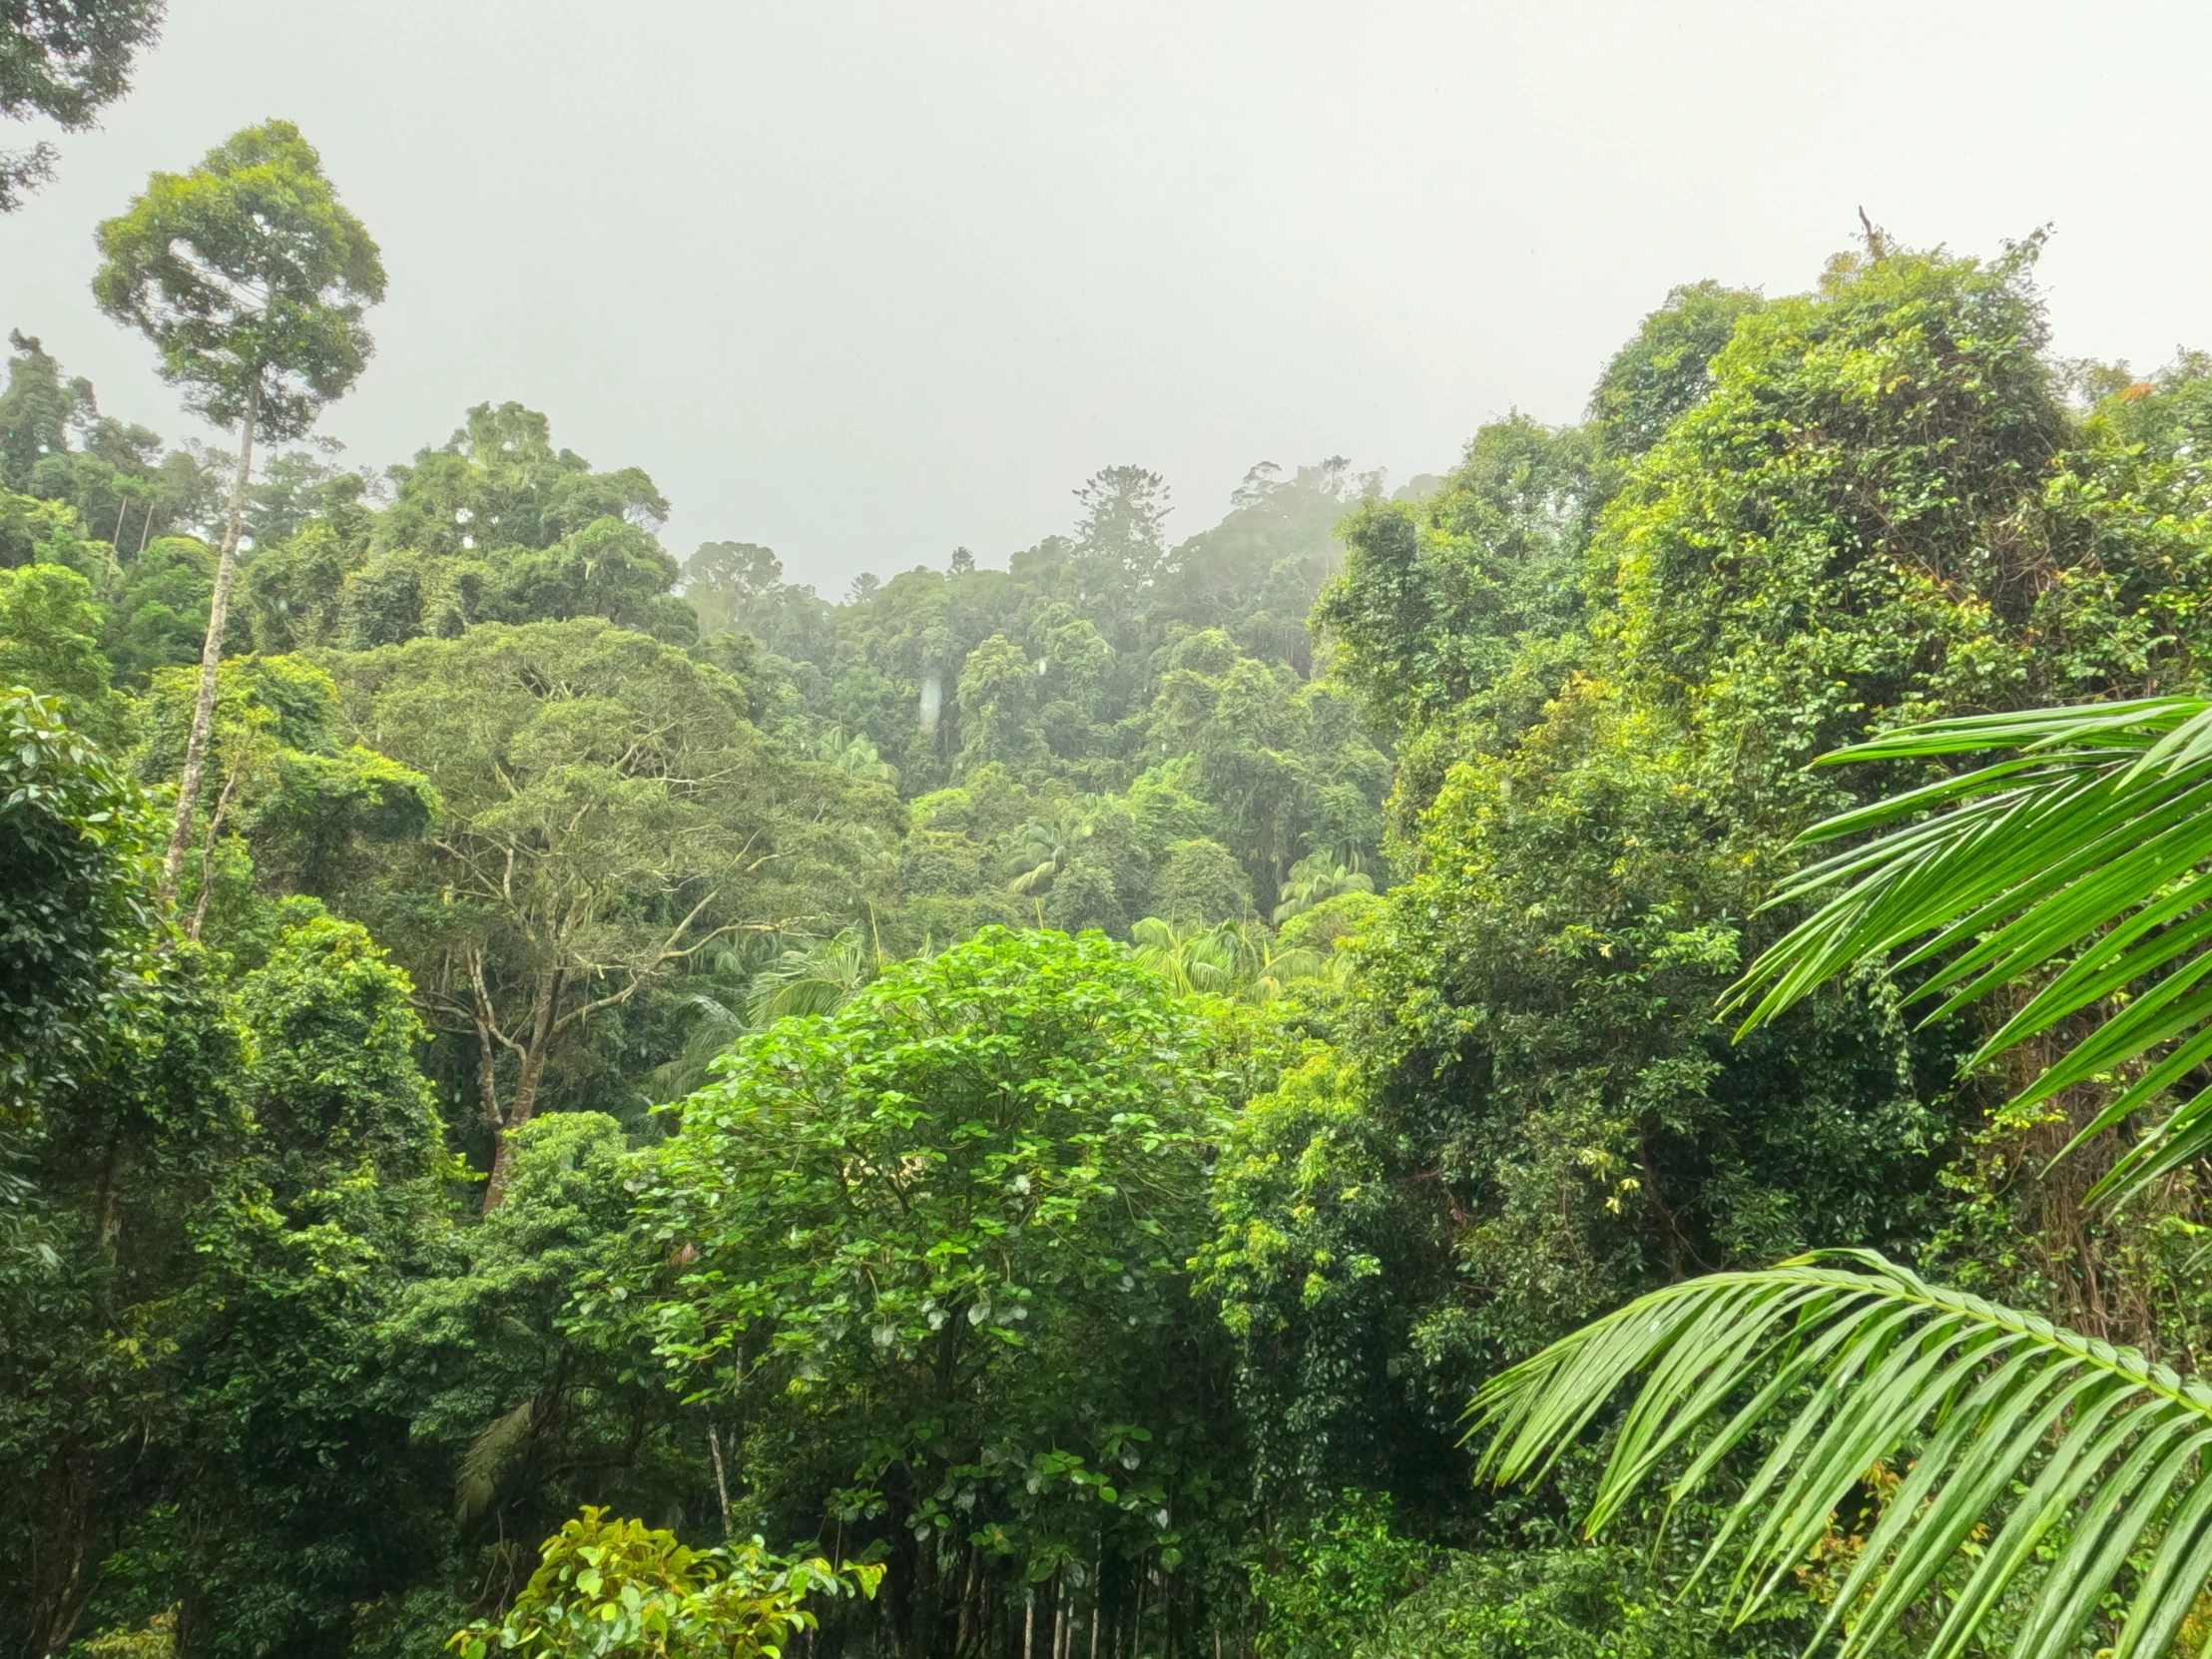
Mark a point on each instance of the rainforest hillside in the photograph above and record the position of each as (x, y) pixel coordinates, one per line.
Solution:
(1042, 1085)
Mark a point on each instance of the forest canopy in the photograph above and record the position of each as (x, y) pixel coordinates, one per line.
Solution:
(1017, 1107)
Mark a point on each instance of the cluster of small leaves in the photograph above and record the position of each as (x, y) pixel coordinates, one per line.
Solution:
(616, 1589)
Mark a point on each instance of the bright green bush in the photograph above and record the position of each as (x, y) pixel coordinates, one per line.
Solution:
(1326, 1584)
(616, 1589)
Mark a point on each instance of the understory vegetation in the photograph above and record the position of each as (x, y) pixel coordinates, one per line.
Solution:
(608, 1103)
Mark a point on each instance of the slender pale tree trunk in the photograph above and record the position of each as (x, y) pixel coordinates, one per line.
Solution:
(210, 653)
(207, 856)
(523, 1104)
(722, 1480)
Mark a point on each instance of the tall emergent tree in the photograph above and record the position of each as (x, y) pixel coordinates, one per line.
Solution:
(249, 277)
(65, 60)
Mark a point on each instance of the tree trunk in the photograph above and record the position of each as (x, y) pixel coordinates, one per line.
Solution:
(722, 1480)
(206, 858)
(210, 653)
(963, 1635)
(54, 1584)
(487, 1075)
(543, 1009)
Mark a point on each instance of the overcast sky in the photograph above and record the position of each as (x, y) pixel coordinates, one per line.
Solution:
(867, 281)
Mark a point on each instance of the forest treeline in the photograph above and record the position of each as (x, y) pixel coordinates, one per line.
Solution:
(1060, 1081)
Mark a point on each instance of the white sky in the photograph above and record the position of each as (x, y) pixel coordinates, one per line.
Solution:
(865, 282)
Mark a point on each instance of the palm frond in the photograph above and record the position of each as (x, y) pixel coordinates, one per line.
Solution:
(1318, 877)
(2077, 860)
(2089, 1453)
(1182, 953)
(807, 997)
(487, 1459)
(1036, 853)
(811, 978)
(853, 754)
(1299, 965)
(1037, 879)
(1235, 959)
(711, 1027)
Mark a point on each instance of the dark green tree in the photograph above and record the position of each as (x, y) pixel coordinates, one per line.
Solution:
(929, 1271)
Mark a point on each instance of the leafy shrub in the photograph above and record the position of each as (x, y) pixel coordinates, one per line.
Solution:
(1327, 1585)
(615, 1589)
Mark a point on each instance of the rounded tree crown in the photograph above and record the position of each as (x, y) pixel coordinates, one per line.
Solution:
(247, 274)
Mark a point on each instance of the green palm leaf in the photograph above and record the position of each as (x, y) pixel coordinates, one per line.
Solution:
(812, 977)
(2080, 1459)
(1236, 959)
(2076, 861)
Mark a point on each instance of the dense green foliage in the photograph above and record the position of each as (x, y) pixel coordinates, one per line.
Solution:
(932, 1277)
(2077, 849)
(2060, 881)
(1059, 1082)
